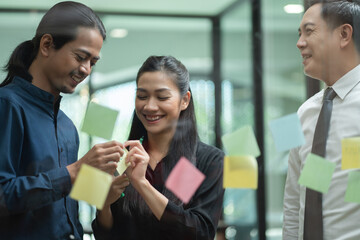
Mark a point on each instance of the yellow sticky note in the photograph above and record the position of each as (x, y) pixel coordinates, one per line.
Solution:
(240, 172)
(92, 186)
(122, 166)
(350, 148)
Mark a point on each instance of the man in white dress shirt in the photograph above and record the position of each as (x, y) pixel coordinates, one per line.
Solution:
(329, 44)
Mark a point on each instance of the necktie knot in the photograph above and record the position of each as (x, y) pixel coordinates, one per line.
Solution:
(329, 94)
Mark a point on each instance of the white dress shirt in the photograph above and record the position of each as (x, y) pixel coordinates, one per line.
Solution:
(341, 219)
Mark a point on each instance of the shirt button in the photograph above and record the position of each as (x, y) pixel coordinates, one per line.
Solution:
(71, 236)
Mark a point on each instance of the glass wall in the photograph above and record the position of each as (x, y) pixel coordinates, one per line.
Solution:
(284, 91)
(131, 39)
(240, 217)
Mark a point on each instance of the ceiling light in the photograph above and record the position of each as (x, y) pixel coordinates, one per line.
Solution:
(118, 33)
(294, 8)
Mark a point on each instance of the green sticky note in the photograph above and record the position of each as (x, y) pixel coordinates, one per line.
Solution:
(91, 185)
(99, 121)
(352, 192)
(317, 173)
(242, 142)
(350, 149)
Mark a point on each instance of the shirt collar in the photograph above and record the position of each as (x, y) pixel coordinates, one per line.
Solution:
(35, 91)
(347, 82)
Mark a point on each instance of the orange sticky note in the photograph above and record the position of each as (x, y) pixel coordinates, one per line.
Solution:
(184, 180)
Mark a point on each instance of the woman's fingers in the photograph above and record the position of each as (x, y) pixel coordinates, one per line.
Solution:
(136, 159)
(122, 182)
(118, 186)
(134, 143)
(136, 152)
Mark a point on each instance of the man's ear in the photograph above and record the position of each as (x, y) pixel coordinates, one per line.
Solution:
(185, 101)
(46, 43)
(346, 32)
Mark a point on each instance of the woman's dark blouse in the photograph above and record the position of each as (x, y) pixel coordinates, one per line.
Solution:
(196, 220)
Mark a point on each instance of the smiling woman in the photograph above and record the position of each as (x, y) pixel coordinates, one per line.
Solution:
(164, 115)
(158, 103)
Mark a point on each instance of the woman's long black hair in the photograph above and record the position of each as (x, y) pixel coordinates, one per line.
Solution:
(61, 22)
(185, 138)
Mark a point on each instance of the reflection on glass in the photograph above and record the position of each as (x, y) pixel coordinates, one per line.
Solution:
(238, 110)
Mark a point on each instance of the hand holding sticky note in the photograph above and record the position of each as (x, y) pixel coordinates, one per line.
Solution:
(91, 185)
(240, 172)
(350, 148)
(99, 121)
(317, 173)
(122, 166)
(184, 180)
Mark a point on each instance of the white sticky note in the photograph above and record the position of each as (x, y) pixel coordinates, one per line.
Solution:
(122, 166)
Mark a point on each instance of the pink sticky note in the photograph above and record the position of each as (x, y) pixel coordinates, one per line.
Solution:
(184, 180)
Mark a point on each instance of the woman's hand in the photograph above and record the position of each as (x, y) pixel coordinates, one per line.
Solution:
(139, 160)
(117, 187)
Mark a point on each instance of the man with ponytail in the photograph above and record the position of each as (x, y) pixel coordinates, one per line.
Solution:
(38, 142)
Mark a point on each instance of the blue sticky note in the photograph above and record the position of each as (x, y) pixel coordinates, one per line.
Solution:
(287, 132)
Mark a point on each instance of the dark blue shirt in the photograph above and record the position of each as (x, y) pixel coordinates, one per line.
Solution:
(37, 142)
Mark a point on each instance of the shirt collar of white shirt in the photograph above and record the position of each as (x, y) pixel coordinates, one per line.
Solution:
(347, 82)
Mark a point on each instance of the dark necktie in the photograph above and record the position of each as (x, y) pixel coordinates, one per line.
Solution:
(313, 219)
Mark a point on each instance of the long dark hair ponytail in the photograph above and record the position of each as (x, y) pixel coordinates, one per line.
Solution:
(185, 139)
(61, 22)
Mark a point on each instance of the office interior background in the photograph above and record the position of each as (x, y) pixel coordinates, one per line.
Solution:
(245, 70)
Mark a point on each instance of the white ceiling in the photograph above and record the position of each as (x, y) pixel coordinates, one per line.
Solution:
(185, 38)
(197, 7)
